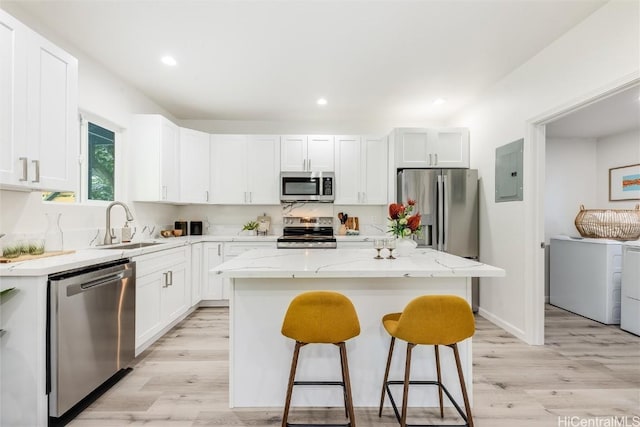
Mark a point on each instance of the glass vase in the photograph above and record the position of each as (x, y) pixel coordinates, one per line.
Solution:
(53, 235)
(405, 246)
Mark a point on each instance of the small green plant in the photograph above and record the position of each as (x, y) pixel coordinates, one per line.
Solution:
(36, 248)
(12, 251)
(251, 225)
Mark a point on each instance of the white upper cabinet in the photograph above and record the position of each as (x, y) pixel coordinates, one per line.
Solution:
(374, 152)
(194, 166)
(320, 153)
(39, 128)
(431, 148)
(245, 169)
(229, 169)
(348, 170)
(293, 152)
(451, 148)
(264, 169)
(361, 170)
(155, 169)
(307, 153)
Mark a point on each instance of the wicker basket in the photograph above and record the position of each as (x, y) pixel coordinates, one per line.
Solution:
(619, 224)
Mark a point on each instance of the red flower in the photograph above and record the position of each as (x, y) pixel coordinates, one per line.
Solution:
(411, 202)
(413, 222)
(395, 210)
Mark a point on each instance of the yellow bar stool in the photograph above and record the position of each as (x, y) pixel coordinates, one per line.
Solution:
(429, 320)
(321, 317)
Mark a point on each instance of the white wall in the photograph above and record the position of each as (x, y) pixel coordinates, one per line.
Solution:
(601, 50)
(571, 177)
(378, 127)
(106, 96)
(614, 151)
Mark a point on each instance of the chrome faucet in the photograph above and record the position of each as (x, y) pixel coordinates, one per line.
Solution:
(108, 236)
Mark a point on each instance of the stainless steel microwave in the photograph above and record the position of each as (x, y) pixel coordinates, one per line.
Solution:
(307, 187)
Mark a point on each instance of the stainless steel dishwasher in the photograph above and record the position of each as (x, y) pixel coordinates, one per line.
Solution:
(91, 334)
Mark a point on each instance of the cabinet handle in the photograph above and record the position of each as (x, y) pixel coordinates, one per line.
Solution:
(24, 169)
(436, 156)
(250, 197)
(170, 275)
(164, 192)
(219, 247)
(430, 163)
(304, 164)
(309, 164)
(206, 195)
(166, 279)
(37, 164)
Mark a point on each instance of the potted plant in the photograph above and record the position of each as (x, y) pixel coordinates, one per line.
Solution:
(403, 224)
(250, 226)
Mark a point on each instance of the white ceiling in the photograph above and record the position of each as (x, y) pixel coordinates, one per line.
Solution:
(271, 60)
(615, 114)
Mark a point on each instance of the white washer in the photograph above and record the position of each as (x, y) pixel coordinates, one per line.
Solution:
(585, 277)
(630, 308)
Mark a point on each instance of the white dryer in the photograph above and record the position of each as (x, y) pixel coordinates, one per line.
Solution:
(630, 304)
(585, 277)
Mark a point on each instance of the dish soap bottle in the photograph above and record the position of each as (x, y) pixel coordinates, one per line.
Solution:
(126, 233)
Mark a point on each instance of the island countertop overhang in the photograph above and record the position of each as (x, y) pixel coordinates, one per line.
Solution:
(346, 263)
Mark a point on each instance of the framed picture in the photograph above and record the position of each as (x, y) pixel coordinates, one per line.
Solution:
(624, 183)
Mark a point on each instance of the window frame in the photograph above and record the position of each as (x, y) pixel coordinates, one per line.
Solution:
(82, 193)
(85, 118)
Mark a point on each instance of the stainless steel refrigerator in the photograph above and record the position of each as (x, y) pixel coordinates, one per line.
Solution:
(447, 199)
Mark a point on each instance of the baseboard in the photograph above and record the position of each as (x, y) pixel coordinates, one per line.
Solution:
(517, 332)
(214, 303)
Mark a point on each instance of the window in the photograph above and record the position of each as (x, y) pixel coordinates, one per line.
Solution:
(101, 163)
(99, 149)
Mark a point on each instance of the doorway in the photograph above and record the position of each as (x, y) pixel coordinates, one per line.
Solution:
(574, 148)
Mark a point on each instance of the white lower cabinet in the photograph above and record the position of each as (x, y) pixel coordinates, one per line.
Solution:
(162, 294)
(212, 284)
(197, 272)
(214, 287)
(23, 326)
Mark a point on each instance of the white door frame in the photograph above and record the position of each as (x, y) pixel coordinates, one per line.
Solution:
(534, 210)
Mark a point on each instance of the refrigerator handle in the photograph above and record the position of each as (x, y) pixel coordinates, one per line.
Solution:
(445, 207)
(440, 241)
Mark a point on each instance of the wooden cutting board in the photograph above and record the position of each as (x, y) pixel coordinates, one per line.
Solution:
(4, 260)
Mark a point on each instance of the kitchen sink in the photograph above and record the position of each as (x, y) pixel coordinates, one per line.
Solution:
(130, 245)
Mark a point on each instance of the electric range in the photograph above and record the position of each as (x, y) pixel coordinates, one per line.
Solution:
(307, 232)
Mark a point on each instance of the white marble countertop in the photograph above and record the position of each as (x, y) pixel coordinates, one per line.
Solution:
(81, 258)
(326, 263)
(96, 255)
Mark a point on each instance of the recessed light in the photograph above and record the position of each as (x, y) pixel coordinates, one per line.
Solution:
(439, 101)
(321, 101)
(169, 60)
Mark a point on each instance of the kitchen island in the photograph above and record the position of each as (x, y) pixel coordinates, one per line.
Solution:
(265, 281)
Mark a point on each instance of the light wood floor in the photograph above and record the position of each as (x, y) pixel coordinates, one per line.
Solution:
(585, 370)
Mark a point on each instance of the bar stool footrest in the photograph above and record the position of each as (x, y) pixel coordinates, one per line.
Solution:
(436, 383)
(318, 425)
(340, 383)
